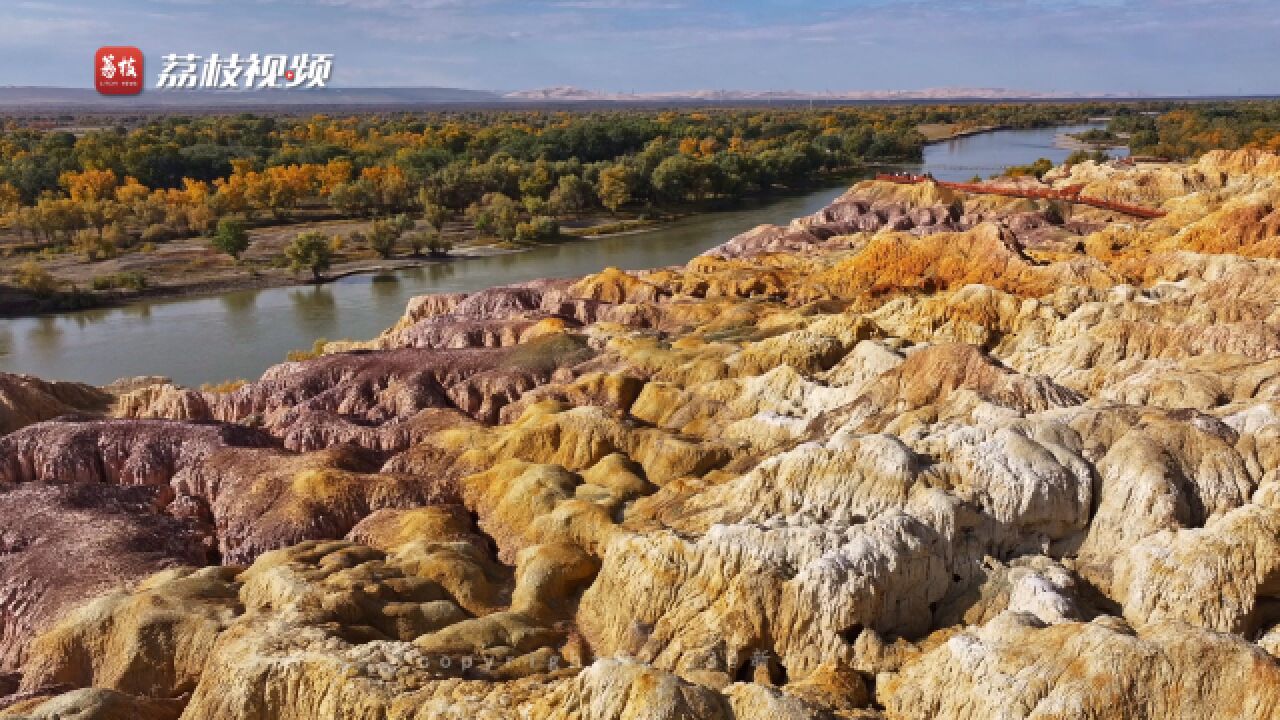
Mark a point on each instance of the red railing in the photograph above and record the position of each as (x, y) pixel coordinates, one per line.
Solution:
(1069, 194)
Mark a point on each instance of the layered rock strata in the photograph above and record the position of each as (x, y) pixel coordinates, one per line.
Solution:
(919, 455)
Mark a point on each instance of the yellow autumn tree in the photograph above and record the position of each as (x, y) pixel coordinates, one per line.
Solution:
(10, 198)
(89, 185)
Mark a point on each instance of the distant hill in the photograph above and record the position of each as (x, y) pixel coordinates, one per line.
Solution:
(55, 97)
(46, 99)
(566, 93)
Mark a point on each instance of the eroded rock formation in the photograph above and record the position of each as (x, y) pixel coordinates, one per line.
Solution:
(919, 455)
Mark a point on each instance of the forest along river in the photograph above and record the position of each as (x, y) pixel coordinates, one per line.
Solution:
(239, 334)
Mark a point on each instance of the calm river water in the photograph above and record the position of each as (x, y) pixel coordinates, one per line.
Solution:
(239, 334)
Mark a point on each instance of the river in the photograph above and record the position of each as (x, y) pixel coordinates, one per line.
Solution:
(239, 334)
(987, 154)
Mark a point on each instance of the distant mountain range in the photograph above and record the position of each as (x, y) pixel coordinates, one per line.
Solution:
(573, 94)
(37, 98)
(47, 97)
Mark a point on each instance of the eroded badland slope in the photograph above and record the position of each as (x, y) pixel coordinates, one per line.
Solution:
(920, 455)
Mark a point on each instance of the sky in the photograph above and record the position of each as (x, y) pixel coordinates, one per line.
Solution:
(1151, 47)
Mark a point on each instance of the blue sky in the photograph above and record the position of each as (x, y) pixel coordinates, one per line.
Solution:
(1152, 46)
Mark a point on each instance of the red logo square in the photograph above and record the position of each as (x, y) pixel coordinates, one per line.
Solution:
(117, 70)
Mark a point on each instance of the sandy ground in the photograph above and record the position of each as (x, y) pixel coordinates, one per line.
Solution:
(1065, 141)
(190, 266)
(939, 132)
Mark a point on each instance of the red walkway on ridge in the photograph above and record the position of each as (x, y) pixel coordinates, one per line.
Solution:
(1069, 194)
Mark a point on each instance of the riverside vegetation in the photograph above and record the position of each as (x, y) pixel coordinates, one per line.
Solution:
(138, 198)
(921, 455)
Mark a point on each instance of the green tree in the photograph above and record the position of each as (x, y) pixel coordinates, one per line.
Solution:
(495, 213)
(310, 251)
(536, 180)
(417, 241)
(382, 237)
(438, 245)
(354, 198)
(675, 177)
(539, 228)
(231, 237)
(571, 196)
(435, 214)
(535, 205)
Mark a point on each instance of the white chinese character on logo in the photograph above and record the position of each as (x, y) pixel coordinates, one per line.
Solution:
(309, 70)
(299, 70)
(126, 68)
(231, 72)
(252, 69)
(108, 69)
(272, 70)
(320, 67)
(209, 73)
(179, 71)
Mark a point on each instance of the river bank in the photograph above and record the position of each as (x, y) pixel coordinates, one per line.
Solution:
(25, 305)
(1068, 141)
(188, 268)
(239, 333)
(942, 132)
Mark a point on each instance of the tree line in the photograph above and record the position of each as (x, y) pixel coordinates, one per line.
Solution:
(512, 174)
(177, 176)
(1190, 130)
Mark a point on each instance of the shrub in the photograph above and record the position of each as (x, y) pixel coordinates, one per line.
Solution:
(1076, 157)
(131, 280)
(439, 246)
(382, 237)
(1036, 169)
(156, 232)
(402, 223)
(417, 241)
(432, 241)
(1057, 212)
(317, 349)
(539, 228)
(117, 236)
(93, 245)
(223, 387)
(32, 277)
(546, 353)
(436, 215)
